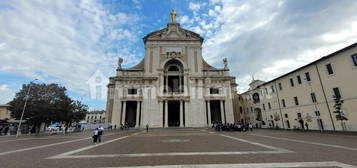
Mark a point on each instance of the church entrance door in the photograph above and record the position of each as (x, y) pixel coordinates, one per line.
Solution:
(130, 114)
(215, 111)
(174, 113)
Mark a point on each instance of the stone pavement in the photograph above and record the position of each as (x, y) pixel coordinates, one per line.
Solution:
(173, 148)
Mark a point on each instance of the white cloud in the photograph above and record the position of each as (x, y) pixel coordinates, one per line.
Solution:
(7, 94)
(138, 4)
(2, 45)
(184, 20)
(195, 6)
(68, 40)
(341, 35)
(261, 37)
(214, 1)
(280, 66)
(244, 83)
(64, 41)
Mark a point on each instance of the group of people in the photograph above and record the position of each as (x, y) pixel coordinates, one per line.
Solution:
(219, 126)
(122, 126)
(4, 130)
(97, 135)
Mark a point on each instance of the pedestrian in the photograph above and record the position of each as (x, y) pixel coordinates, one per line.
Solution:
(147, 128)
(307, 126)
(126, 126)
(250, 127)
(6, 130)
(115, 126)
(100, 133)
(95, 136)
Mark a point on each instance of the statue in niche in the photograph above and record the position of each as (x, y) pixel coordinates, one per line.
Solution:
(120, 61)
(225, 63)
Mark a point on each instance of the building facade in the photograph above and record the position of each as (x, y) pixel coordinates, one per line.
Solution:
(5, 112)
(173, 86)
(305, 97)
(95, 117)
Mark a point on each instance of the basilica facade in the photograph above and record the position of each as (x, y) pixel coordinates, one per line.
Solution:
(173, 86)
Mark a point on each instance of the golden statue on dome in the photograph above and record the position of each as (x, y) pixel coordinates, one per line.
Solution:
(173, 16)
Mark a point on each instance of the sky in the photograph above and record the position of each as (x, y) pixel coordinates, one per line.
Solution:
(76, 42)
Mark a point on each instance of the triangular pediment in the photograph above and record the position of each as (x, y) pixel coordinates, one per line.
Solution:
(173, 35)
(173, 31)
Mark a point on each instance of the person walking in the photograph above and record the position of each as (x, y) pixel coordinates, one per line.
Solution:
(306, 126)
(147, 128)
(250, 127)
(100, 133)
(6, 129)
(95, 136)
(1, 128)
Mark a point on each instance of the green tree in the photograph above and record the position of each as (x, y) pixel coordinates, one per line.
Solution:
(340, 116)
(77, 112)
(46, 103)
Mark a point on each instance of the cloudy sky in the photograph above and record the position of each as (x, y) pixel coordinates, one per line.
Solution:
(70, 41)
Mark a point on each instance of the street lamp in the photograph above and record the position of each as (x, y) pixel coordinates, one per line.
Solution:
(23, 110)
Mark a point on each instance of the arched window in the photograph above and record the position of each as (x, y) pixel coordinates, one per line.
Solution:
(173, 78)
(173, 68)
(173, 65)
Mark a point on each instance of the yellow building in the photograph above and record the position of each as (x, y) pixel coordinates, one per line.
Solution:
(4, 111)
(304, 98)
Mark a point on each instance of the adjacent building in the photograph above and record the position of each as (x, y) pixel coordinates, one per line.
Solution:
(304, 98)
(95, 117)
(173, 86)
(5, 112)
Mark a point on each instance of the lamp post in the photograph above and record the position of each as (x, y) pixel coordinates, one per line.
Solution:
(23, 110)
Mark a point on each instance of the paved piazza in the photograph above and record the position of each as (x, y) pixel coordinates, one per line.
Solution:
(179, 148)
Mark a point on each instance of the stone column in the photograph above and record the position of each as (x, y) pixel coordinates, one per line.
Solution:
(124, 113)
(161, 87)
(181, 113)
(166, 114)
(180, 85)
(161, 103)
(222, 111)
(209, 112)
(137, 114)
(185, 84)
(167, 84)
